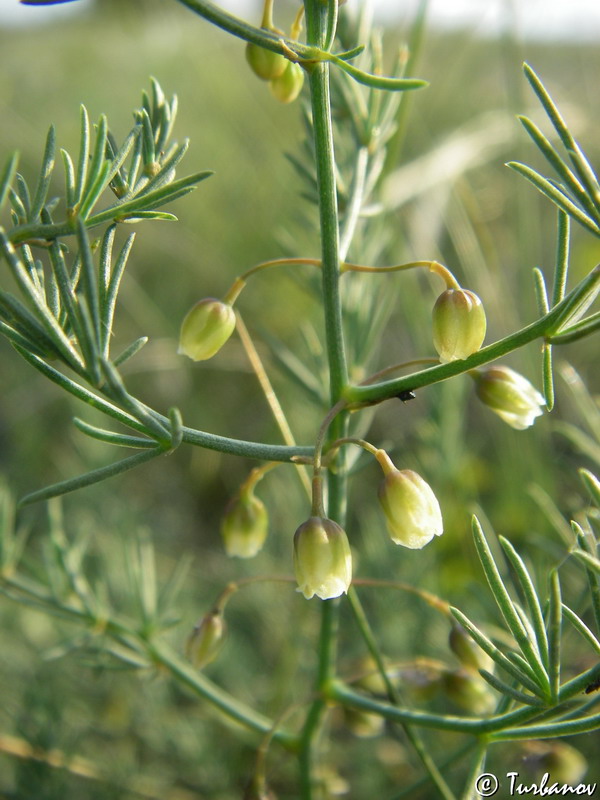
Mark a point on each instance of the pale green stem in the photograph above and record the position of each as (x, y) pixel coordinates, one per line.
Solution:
(317, 19)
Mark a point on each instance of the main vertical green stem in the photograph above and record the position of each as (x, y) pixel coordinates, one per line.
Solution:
(316, 20)
(316, 23)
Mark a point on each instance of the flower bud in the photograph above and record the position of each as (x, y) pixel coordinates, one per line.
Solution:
(205, 329)
(510, 395)
(288, 85)
(264, 63)
(322, 559)
(458, 324)
(468, 691)
(562, 761)
(244, 525)
(422, 679)
(205, 641)
(363, 724)
(411, 509)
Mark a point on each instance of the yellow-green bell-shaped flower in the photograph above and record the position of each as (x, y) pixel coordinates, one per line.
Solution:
(265, 64)
(459, 324)
(288, 85)
(412, 512)
(322, 559)
(509, 394)
(205, 329)
(206, 639)
(245, 525)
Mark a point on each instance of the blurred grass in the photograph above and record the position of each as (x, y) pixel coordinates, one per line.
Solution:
(486, 224)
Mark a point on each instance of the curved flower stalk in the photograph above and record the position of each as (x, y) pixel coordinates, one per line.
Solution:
(245, 524)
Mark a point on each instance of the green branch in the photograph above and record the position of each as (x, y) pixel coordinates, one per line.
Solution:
(158, 652)
(546, 326)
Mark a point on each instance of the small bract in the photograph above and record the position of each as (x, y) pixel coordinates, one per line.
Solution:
(205, 329)
(322, 559)
(459, 324)
(412, 512)
(510, 395)
(245, 525)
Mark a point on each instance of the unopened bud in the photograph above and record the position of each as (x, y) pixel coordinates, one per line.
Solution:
(422, 679)
(562, 761)
(412, 512)
(205, 329)
(205, 641)
(509, 394)
(264, 63)
(322, 559)
(288, 85)
(459, 324)
(245, 524)
(363, 724)
(468, 691)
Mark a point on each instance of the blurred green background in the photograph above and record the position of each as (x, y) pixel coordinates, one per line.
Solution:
(463, 207)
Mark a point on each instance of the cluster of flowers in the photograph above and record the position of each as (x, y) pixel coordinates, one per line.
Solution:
(322, 557)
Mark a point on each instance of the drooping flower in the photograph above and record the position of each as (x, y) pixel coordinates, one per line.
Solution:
(322, 559)
(509, 394)
(468, 691)
(205, 329)
(206, 639)
(412, 512)
(245, 525)
(459, 324)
